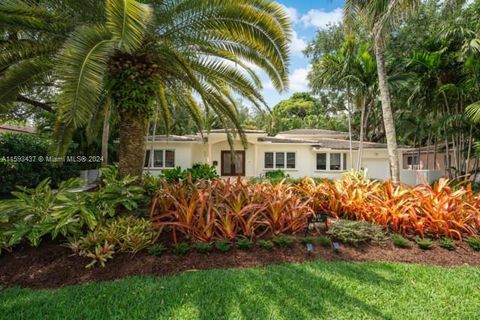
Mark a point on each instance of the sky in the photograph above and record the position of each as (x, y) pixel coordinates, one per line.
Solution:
(307, 17)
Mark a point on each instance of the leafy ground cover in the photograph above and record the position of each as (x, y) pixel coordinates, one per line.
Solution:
(314, 290)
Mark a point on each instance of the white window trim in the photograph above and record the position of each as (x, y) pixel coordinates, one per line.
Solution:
(327, 153)
(275, 161)
(151, 159)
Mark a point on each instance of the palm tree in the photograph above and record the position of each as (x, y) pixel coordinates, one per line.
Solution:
(354, 68)
(379, 15)
(187, 53)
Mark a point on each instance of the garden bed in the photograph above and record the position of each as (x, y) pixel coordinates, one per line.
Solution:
(52, 265)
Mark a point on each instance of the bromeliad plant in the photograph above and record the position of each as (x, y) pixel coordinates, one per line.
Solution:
(228, 209)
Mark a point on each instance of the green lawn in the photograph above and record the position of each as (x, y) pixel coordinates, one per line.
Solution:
(317, 290)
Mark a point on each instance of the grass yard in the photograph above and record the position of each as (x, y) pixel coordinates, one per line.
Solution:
(315, 290)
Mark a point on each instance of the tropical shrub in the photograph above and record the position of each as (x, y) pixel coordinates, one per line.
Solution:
(324, 241)
(401, 242)
(124, 234)
(202, 247)
(283, 240)
(223, 245)
(181, 248)
(157, 249)
(473, 242)
(172, 175)
(244, 244)
(357, 232)
(424, 244)
(308, 240)
(201, 171)
(447, 243)
(276, 176)
(227, 209)
(265, 244)
(438, 210)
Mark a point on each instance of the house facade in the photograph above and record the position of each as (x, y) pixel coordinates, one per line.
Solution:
(300, 153)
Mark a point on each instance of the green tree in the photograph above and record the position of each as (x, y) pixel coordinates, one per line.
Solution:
(379, 15)
(140, 55)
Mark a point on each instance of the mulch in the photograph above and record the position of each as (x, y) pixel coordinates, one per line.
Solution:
(52, 265)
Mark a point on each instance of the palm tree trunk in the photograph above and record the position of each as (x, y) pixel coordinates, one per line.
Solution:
(132, 144)
(106, 135)
(360, 138)
(349, 127)
(387, 108)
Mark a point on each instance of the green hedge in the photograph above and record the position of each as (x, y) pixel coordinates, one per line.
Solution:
(29, 173)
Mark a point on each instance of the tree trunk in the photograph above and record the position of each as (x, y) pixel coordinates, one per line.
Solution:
(349, 127)
(360, 138)
(387, 108)
(133, 129)
(106, 135)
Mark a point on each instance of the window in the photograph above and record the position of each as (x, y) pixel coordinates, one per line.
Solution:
(160, 159)
(268, 160)
(321, 161)
(336, 161)
(280, 160)
(412, 160)
(291, 160)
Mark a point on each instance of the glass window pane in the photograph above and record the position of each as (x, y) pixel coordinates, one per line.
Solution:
(238, 163)
(321, 161)
(335, 161)
(226, 163)
(268, 159)
(344, 161)
(279, 160)
(169, 158)
(147, 158)
(291, 160)
(158, 158)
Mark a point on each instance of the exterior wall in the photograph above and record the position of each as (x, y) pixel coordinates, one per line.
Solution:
(189, 153)
(439, 164)
(183, 154)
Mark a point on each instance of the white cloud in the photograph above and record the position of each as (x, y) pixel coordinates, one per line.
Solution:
(298, 79)
(293, 13)
(320, 18)
(297, 44)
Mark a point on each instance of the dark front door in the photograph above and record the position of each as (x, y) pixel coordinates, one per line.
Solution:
(233, 166)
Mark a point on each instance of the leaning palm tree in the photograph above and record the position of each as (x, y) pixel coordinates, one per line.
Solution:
(379, 16)
(190, 53)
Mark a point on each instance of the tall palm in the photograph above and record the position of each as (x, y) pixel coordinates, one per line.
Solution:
(190, 53)
(353, 66)
(380, 15)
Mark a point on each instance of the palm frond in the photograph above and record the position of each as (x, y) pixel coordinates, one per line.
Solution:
(81, 67)
(127, 21)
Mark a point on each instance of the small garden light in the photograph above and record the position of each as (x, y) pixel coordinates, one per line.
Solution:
(336, 246)
(309, 249)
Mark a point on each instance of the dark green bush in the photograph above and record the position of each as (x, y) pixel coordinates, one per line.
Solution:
(324, 241)
(356, 232)
(157, 249)
(473, 242)
(201, 171)
(283, 240)
(401, 242)
(30, 173)
(244, 244)
(202, 247)
(172, 175)
(181, 248)
(308, 240)
(276, 176)
(447, 243)
(265, 244)
(223, 245)
(424, 244)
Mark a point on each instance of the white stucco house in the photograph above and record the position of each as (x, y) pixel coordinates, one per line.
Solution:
(300, 153)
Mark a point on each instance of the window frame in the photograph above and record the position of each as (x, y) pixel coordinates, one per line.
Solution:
(343, 161)
(285, 160)
(151, 160)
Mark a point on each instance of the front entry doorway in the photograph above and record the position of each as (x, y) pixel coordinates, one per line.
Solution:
(235, 167)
